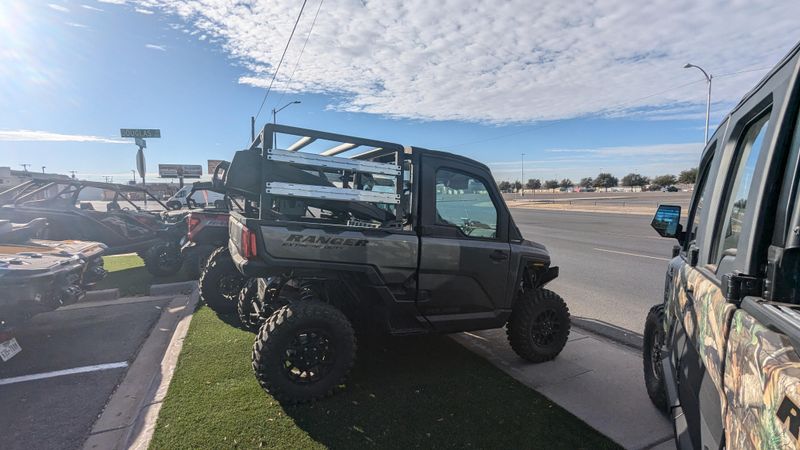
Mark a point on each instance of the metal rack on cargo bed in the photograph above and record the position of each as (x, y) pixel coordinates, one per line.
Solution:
(365, 190)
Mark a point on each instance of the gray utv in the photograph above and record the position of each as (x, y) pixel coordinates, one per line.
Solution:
(395, 239)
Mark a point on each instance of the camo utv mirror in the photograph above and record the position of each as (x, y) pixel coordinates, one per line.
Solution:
(667, 221)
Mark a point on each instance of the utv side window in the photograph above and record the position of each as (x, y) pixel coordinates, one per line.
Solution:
(464, 201)
(748, 152)
(696, 211)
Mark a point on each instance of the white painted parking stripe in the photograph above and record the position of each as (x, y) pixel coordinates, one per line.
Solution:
(631, 254)
(61, 373)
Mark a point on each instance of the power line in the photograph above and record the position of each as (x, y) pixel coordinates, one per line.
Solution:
(275, 73)
(297, 63)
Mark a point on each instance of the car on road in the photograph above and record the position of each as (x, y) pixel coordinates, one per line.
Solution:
(395, 239)
(722, 350)
(669, 189)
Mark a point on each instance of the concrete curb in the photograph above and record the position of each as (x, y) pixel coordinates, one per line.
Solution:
(101, 295)
(617, 334)
(121, 422)
(181, 287)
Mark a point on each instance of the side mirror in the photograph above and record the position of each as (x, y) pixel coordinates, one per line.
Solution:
(667, 221)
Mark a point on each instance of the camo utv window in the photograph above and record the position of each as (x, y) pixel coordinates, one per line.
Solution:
(464, 201)
(736, 204)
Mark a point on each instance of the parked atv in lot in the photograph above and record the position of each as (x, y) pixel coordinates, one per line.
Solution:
(722, 350)
(41, 275)
(412, 241)
(124, 226)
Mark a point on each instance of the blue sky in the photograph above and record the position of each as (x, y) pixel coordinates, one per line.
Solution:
(579, 89)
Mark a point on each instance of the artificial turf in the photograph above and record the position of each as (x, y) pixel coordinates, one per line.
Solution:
(424, 392)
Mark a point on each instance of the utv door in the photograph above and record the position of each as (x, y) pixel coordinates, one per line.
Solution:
(718, 252)
(464, 257)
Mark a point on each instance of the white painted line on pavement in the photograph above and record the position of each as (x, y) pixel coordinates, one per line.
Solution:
(61, 373)
(630, 254)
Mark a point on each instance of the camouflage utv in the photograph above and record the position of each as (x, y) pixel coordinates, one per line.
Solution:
(721, 351)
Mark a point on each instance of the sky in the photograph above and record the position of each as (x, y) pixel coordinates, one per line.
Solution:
(578, 87)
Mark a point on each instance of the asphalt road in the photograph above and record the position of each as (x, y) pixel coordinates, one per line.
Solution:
(612, 265)
(58, 410)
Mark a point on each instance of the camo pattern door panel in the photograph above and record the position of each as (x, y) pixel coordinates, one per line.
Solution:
(706, 319)
(762, 384)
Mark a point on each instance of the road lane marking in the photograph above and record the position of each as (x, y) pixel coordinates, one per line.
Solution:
(631, 254)
(61, 373)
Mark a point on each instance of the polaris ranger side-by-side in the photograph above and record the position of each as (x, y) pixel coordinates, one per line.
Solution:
(411, 240)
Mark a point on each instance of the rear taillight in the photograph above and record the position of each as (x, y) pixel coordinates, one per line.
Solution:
(193, 223)
(249, 249)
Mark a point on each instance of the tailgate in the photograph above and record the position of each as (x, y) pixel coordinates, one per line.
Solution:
(235, 225)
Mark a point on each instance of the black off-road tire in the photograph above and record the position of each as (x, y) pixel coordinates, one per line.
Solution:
(220, 282)
(272, 364)
(654, 340)
(163, 259)
(244, 306)
(539, 325)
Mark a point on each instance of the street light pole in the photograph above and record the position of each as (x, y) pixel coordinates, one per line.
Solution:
(708, 96)
(274, 120)
(134, 176)
(522, 174)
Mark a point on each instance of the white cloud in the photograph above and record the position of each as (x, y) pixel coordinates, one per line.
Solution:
(58, 7)
(48, 136)
(113, 2)
(515, 61)
(76, 25)
(156, 47)
(143, 11)
(92, 8)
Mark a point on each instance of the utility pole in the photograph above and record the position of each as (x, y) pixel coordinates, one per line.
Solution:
(522, 174)
(73, 173)
(25, 167)
(134, 176)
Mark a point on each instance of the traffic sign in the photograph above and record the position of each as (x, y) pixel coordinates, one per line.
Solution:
(140, 132)
(180, 170)
(140, 166)
(140, 142)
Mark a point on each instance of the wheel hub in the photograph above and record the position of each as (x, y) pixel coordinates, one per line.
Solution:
(545, 328)
(309, 356)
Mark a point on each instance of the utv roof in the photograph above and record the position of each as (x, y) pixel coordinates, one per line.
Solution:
(368, 149)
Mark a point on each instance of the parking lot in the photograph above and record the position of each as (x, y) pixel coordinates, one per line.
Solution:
(72, 359)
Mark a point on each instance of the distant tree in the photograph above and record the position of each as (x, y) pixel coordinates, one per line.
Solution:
(533, 183)
(566, 183)
(605, 180)
(504, 186)
(665, 180)
(517, 186)
(551, 184)
(634, 179)
(688, 176)
(586, 182)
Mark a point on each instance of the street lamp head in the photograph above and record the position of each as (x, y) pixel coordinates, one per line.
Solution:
(296, 102)
(688, 65)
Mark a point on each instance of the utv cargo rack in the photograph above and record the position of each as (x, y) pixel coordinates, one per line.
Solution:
(290, 173)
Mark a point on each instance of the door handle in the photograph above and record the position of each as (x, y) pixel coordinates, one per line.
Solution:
(498, 255)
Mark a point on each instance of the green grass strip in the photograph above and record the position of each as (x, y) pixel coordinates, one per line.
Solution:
(424, 392)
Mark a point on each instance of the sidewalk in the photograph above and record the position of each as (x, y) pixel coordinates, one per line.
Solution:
(595, 379)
